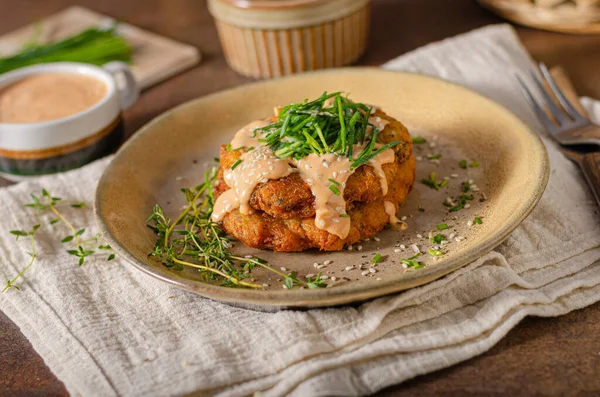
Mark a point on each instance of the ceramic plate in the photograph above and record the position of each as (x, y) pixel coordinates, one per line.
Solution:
(175, 149)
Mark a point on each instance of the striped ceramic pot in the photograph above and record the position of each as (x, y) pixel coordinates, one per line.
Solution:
(271, 38)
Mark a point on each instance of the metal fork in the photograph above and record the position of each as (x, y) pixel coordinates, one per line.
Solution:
(569, 127)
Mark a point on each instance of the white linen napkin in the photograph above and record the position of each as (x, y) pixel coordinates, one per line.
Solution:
(106, 329)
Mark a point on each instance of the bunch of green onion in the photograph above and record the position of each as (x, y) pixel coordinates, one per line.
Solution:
(95, 46)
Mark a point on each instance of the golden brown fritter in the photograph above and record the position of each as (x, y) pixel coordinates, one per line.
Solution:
(283, 219)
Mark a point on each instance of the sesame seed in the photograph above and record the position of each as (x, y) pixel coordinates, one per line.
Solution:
(315, 264)
(264, 180)
(320, 266)
(324, 277)
(415, 248)
(403, 218)
(378, 278)
(359, 248)
(419, 235)
(325, 164)
(283, 269)
(470, 223)
(402, 246)
(284, 286)
(349, 267)
(333, 278)
(454, 175)
(397, 250)
(452, 235)
(446, 178)
(335, 174)
(321, 223)
(307, 166)
(265, 285)
(376, 239)
(365, 272)
(349, 248)
(372, 270)
(248, 256)
(327, 263)
(404, 265)
(467, 206)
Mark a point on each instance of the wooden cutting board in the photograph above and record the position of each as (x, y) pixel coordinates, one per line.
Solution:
(155, 57)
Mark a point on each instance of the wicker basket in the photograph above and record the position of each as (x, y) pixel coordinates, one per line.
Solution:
(568, 16)
(271, 38)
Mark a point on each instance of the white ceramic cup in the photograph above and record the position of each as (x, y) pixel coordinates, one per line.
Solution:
(32, 149)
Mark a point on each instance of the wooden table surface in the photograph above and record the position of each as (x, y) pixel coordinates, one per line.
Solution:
(553, 356)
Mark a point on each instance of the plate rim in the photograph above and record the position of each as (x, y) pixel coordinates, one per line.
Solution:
(275, 300)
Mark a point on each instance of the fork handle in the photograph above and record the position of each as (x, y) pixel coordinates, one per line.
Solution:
(590, 165)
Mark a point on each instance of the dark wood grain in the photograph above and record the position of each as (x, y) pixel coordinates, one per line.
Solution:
(557, 356)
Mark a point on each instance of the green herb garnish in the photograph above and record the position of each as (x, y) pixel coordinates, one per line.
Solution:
(334, 189)
(418, 140)
(474, 164)
(434, 157)
(238, 162)
(194, 241)
(377, 258)
(478, 220)
(463, 164)
(442, 226)
(438, 238)
(319, 127)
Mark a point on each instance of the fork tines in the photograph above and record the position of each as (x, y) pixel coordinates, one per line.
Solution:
(565, 115)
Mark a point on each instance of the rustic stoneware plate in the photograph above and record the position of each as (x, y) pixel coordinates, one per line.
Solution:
(175, 149)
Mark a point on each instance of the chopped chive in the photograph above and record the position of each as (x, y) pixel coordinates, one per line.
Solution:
(478, 220)
(434, 252)
(463, 164)
(376, 258)
(417, 140)
(442, 226)
(444, 183)
(474, 164)
(344, 216)
(334, 189)
(430, 183)
(466, 187)
(438, 238)
(434, 157)
(456, 208)
(228, 147)
(334, 182)
(236, 164)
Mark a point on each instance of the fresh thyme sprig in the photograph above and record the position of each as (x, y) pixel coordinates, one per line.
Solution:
(319, 127)
(32, 254)
(48, 203)
(193, 240)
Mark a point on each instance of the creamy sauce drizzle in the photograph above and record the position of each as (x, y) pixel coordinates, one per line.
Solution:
(257, 166)
(330, 208)
(260, 165)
